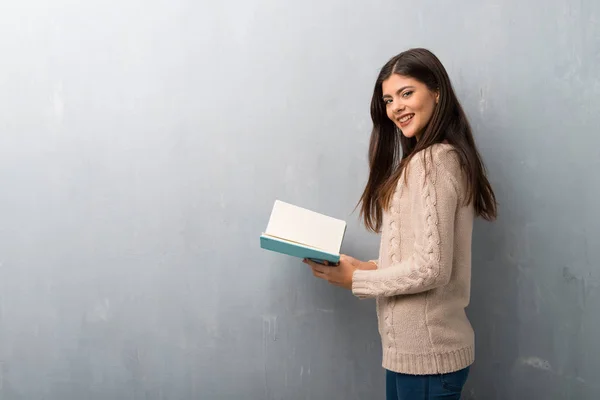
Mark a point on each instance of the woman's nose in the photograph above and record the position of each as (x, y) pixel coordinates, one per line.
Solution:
(399, 107)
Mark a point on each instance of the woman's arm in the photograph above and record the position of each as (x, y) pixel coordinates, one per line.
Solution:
(434, 199)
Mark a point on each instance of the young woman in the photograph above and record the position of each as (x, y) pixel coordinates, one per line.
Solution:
(426, 185)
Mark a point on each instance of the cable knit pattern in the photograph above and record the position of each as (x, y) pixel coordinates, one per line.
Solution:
(422, 280)
(394, 225)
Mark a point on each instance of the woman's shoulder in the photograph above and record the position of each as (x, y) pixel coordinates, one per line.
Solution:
(441, 156)
(438, 164)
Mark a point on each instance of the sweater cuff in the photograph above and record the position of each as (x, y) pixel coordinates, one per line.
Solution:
(360, 286)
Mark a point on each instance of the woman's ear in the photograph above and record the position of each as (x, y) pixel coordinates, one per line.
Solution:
(437, 96)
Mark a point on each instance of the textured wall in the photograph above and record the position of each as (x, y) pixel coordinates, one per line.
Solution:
(142, 144)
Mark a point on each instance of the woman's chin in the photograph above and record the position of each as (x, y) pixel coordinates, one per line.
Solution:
(408, 133)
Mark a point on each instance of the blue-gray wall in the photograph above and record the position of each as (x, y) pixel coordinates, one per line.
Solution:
(142, 144)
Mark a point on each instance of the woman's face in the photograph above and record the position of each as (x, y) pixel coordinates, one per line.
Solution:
(409, 104)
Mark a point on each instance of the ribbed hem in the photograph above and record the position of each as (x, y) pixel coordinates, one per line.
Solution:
(426, 364)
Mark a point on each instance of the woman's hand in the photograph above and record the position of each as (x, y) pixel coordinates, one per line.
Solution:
(341, 274)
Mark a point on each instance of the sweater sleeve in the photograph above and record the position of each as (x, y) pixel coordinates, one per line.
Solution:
(434, 198)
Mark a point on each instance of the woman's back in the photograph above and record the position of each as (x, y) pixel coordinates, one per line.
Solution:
(426, 238)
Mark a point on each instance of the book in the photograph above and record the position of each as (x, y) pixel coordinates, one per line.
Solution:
(303, 233)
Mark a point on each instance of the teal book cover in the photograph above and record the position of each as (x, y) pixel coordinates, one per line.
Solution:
(297, 250)
(303, 233)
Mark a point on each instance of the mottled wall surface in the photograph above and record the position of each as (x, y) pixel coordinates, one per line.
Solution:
(142, 144)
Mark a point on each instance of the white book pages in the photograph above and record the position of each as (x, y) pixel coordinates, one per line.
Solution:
(306, 227)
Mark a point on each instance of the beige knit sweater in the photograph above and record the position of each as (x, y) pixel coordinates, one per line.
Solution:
(422, 280)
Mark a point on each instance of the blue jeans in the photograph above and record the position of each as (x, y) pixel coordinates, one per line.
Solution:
(425, 387)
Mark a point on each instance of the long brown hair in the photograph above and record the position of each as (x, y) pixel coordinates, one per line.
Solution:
(390, 151)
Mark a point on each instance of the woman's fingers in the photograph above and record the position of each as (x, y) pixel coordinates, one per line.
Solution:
(320, 270)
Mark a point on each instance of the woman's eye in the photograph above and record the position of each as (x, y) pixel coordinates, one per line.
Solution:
(406, 94)
(387, 101)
